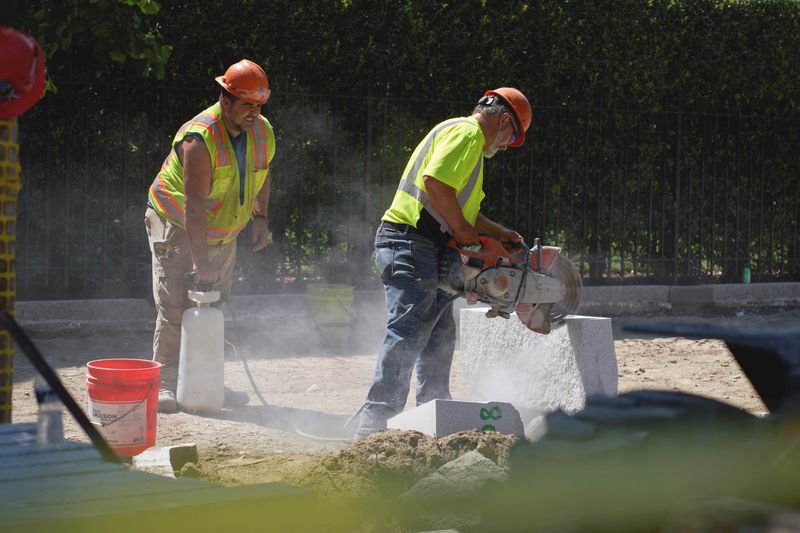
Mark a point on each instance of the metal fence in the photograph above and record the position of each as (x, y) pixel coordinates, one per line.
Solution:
(632, 196)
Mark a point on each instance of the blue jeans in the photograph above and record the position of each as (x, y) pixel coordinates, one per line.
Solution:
(420, 330)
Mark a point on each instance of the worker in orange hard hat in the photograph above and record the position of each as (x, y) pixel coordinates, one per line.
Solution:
(214, 183)
(438, 198)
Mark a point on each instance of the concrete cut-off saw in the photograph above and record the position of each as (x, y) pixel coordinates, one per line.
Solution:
(539, 284)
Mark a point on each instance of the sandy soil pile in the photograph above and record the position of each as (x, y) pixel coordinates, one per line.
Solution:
(389, 463)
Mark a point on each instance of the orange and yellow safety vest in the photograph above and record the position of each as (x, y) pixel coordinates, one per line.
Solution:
(226, 213)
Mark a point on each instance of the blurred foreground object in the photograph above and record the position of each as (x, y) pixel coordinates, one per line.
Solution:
(22, 79)
(22, 74)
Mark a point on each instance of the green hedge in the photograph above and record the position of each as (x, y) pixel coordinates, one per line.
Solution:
(623, 168)
(726, 55)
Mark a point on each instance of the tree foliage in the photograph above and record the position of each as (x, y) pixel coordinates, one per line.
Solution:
(98, 30)
(663, 144)
(724, 54)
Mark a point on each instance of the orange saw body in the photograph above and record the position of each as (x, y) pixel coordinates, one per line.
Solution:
(539, 284)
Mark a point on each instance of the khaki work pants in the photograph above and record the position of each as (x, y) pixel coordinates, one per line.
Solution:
(170, 287)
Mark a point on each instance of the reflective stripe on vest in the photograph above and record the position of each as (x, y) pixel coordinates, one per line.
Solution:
(165, 200)
(408, 186)
(260, 151)
(211, 123)
(220, 234)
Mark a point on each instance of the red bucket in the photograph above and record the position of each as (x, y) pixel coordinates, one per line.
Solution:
(123, 402)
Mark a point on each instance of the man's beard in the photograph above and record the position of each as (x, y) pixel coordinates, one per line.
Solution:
(493, 148)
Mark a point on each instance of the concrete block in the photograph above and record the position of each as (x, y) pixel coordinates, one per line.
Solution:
(443, 417)
(504, 361)
(166, 460)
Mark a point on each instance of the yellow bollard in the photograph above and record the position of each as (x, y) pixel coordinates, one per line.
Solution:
(10, 184)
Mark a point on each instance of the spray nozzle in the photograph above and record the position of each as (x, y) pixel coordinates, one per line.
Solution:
(200, 287)
(202, 295)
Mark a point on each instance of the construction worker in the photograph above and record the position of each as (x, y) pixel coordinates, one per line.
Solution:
(214, 181)
(438, 198)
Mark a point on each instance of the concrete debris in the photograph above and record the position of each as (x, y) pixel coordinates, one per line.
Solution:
(536, 428)
(464, 474)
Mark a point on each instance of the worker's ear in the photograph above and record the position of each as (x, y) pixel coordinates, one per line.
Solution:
(225, 101)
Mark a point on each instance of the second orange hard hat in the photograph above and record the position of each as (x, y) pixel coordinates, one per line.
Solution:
(246, 80)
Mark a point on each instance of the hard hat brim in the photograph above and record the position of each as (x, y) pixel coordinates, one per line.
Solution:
(519, 141)
(252, 97)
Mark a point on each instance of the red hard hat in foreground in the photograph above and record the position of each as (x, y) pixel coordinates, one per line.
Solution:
(21, 72)
(246, 80)
(521, 107)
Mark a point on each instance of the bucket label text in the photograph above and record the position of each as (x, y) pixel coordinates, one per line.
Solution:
(121, 423)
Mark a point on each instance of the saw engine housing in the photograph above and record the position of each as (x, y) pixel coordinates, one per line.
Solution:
(539, 284)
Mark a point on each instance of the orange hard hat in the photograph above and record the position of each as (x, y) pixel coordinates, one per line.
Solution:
(21, 72)
(515, 100)
(246, 80)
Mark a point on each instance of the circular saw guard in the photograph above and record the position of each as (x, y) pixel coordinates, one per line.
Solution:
(539, 284)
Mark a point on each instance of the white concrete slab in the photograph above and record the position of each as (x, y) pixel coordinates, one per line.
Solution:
(444, 417)
(504, 361)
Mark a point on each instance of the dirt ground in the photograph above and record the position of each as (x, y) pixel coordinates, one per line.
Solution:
(311, 398)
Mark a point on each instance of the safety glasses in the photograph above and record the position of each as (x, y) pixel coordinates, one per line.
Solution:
(514, 131)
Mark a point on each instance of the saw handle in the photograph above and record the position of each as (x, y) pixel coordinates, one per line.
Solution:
(490, 252)
(494, 253)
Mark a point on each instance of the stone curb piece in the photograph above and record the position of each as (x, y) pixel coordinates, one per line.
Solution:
(502, 360)
(166, 460)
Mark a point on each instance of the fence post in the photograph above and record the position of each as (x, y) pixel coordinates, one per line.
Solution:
(359, 234)
(676, 214)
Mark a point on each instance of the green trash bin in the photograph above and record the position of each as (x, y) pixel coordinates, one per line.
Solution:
(331, 306)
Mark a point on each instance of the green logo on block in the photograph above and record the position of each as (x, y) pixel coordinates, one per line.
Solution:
(491, 414)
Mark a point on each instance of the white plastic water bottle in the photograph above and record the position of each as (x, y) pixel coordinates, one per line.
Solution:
(49, 423)
(201, 381)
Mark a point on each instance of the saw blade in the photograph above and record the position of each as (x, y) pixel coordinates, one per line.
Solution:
(564, 271)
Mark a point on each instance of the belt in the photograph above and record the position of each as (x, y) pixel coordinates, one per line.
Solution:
(403, 228)
(439, 239)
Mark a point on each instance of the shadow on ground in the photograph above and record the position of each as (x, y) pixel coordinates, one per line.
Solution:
(305, 422)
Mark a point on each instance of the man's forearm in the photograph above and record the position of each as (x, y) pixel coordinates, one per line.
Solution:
(196, 232)
(503, 234)
(485, 225)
